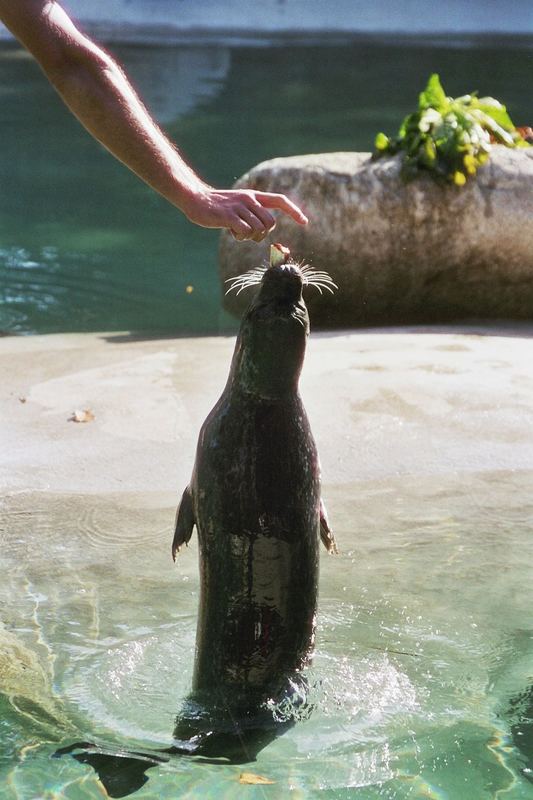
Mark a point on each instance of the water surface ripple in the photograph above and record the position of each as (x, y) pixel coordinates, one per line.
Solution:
(422, 678)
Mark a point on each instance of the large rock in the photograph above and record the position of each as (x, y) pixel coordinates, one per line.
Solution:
(416, 252)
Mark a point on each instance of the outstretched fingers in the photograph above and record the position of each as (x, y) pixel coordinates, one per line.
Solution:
(279, 201)
(246, 213)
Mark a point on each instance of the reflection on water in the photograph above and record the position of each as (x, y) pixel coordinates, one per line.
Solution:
(85, 246)
(174, 81)
(421, 682)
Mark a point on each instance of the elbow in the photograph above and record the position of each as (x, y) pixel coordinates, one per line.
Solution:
(59, 47)
(72, 61)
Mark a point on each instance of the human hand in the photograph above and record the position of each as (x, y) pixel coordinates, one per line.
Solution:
(244, 212)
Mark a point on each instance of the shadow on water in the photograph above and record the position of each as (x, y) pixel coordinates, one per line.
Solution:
(121, 773)
(210, 735)
(214, 739)
(521, 707)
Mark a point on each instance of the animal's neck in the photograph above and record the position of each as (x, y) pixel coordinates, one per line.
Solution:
(265, 368)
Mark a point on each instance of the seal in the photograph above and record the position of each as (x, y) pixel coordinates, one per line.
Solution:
(254, 498)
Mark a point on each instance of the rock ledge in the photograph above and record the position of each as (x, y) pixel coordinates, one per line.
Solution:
(401, 253)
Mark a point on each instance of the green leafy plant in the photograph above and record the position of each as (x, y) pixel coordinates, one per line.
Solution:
(449, 137)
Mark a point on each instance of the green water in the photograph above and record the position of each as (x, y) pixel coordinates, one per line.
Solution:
(424, 643)
(85, 246)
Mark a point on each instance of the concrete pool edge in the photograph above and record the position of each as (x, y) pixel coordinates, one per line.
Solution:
(382, 403)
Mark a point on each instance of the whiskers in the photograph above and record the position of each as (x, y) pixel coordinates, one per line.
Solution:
(318, 278)
(250, 278)
(311, 277)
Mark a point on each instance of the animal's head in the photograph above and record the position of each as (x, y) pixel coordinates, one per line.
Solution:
(271, 345)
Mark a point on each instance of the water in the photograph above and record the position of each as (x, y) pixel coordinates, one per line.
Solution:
(85, 246)
(424, 644)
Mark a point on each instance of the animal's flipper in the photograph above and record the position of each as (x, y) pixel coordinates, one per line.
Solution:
(326, 534)
(184, 522)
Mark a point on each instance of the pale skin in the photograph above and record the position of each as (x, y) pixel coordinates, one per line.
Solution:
(99, 94)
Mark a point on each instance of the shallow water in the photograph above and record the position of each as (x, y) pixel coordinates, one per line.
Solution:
(424, 643)
(85, 246)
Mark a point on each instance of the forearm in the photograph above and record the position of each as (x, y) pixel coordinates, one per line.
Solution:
(96, 90)
(98, 93)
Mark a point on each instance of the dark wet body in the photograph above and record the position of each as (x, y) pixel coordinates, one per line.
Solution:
(256, 502)
(254, 498)
(258, 525)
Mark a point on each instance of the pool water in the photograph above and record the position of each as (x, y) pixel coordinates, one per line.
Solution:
(423, 663)
(85, 246)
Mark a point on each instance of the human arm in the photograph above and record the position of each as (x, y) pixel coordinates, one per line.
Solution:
(99, 94)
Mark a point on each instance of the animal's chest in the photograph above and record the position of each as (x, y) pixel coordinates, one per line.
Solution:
(257, 468)
(265, 442)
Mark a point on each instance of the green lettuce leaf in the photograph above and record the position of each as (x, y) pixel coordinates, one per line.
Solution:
(449, 138)
(433, 95)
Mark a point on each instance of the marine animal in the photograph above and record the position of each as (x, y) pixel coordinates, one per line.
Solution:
(254, 498)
